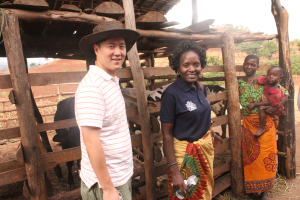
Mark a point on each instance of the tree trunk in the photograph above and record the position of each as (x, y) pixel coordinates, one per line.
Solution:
(287, 142)
(234, 117)
(144, 114)
(20, 82)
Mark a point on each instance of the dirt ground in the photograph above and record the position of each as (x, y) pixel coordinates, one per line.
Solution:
(284, 189)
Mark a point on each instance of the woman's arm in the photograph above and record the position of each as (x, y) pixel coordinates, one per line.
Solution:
(253, 105)
(177, 177)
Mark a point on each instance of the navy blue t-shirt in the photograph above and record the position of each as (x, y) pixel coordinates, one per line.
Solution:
(188, 109)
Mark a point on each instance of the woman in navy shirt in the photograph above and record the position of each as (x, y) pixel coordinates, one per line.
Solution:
(186, 120)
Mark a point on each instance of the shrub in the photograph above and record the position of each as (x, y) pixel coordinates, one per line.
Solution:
(4, 94)
(214, 60)
(295, 63)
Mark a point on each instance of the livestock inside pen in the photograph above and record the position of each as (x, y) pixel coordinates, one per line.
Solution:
(30, 163)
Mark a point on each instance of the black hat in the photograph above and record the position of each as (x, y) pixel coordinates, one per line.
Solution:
(106, 30)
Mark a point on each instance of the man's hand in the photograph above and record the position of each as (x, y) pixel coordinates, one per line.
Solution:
(110, 194)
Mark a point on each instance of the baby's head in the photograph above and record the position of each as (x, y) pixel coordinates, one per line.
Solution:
(274, 75)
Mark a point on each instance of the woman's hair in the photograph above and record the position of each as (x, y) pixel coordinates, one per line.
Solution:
(185, 46)
(252, 57)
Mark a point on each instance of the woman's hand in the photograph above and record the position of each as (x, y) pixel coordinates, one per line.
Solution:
(271, 109)
(178, 181)
(216, 138)
(251, 106)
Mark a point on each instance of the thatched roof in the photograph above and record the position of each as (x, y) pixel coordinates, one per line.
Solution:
(59, 38)
(140, 6)
(53, 28)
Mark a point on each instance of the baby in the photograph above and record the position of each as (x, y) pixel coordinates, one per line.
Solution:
(272, 99)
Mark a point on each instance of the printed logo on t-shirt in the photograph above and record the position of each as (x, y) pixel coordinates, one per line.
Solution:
(190, 106)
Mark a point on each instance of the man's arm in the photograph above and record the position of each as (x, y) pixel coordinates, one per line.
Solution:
(91, 139)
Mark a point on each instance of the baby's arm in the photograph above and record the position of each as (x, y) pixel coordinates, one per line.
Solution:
(272, 109)
(253, 105)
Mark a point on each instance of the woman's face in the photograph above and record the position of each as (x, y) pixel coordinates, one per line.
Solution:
(250, 66)
(190, 67)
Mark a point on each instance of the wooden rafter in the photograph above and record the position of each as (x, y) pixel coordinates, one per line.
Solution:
(79, 3)
(54, 4)
(153, 4)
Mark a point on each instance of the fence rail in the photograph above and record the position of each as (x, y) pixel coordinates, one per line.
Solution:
(59, 94)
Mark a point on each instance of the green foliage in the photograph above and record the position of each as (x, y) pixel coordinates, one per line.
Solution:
(33, 65)
(298, 44)
(268, 49)
(272, 62)
(250, 47)
(292, 49)
(4, 94)
(66, 70)
(213, 60)
(295, 64)
(295, 41)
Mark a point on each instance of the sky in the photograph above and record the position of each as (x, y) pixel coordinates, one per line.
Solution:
(254, 14)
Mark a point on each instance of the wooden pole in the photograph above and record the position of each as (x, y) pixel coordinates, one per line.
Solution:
(144, 114)
(234, 117)
(195, 11)
(20, 82)
(54, 15)
(286, 142)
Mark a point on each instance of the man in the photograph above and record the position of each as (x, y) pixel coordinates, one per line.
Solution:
(106, 160)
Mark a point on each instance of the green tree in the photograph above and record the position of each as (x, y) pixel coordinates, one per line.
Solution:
(250, 47)
(295, 63)
(268, 49)
(213, 60)
(33, 65)
(298, 44)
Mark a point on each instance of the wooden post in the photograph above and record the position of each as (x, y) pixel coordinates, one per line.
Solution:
(88, 6)
(195, 11)
(89, 61)
(21, 87)
(59, 92)
(234, 116)
(286, 142)
(151, 63)
(144, 114)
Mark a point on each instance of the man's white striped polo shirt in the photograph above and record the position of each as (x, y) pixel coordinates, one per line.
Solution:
(100, 103)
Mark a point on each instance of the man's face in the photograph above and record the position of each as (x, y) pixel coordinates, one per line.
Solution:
(250, 66)
(111, 54)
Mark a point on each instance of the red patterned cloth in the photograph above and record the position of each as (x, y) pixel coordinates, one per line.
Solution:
(195, 159)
